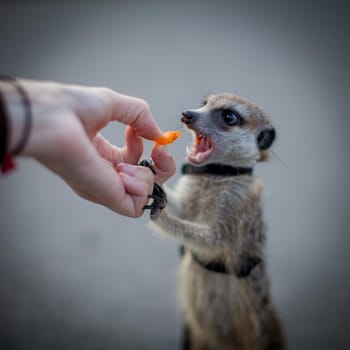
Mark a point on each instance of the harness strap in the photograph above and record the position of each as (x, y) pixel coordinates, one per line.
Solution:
(215, 169)
(216, 266)
(219, 267)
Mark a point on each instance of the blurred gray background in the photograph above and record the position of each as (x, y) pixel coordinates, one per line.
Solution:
(74, 275)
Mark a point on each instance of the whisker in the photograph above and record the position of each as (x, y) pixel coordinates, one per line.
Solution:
(278, 158)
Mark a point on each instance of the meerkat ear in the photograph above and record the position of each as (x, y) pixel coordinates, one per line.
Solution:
(265, 138)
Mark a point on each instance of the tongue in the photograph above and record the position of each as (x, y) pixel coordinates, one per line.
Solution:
(203, 145)
(202, 149)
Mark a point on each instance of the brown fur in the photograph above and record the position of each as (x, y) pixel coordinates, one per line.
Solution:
(220, 219)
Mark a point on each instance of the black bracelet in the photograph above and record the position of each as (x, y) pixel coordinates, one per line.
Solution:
(3, 129)
(27, 114)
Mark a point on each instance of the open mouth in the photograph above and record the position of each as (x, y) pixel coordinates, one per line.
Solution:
(200, 150)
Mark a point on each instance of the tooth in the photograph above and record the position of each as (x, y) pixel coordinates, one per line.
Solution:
(188, 150)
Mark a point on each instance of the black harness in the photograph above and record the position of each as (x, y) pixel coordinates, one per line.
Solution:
(216, 266)
(214, 170)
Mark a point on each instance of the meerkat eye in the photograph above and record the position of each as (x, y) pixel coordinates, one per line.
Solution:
(231, 118)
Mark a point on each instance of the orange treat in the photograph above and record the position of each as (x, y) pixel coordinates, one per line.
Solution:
(168, 137)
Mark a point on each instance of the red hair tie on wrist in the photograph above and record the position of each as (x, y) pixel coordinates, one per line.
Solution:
(8, 163)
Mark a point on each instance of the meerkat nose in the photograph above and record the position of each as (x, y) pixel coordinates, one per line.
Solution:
(189, 116)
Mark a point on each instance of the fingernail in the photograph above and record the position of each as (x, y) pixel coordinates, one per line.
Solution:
(164, 149)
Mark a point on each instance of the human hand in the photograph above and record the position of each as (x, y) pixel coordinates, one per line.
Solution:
(65, 138)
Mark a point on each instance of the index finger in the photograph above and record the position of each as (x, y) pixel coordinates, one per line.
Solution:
(136, 113)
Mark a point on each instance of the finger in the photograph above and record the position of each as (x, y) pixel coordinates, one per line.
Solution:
(121, 192)
(136, 113)
(163, 163)
(97, 106)
(130, 153)
(143, 178)
(106, 149)
(138, 183)
(133, 149)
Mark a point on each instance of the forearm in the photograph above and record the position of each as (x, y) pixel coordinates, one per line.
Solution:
(172, 202)
(193, 234)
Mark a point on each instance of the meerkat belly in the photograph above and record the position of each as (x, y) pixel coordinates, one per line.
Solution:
(215, 305)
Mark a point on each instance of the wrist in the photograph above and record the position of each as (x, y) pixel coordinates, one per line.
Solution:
(17, 113)
(34, 113)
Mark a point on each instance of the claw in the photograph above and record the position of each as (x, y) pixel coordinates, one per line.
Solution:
(148, 163)
(158, 195)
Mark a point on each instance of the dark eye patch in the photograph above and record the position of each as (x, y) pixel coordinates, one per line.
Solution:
(231, 117)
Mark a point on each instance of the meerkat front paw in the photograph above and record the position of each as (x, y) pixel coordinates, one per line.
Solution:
(159, 201)
(158, 195)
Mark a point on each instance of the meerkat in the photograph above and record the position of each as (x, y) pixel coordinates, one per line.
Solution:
(216, 213)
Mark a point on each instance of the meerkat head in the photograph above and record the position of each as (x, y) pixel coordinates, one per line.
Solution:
(228, 129)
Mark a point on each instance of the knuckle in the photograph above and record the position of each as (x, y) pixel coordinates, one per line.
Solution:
(106, 94)
(106, 91)
(100, 90)
(144, 106)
